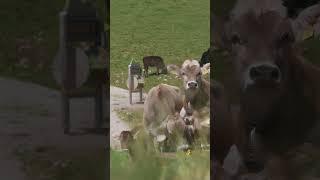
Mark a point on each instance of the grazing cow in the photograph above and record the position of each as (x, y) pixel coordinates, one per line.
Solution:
(162, 100)
(279, 90)
(154, 61)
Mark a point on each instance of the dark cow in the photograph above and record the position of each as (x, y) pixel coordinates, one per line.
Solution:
(154, 61)
(205, 58)
(279, 91)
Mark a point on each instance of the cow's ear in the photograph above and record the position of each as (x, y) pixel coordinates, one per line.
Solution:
(205, 69)
(219, 30)
(306, 19)
(173, 69)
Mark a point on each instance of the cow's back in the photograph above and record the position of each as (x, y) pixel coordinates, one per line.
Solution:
(162, 100)
(153, 61)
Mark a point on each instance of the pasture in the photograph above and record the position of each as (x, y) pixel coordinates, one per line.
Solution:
(152, 165)
(174, 30)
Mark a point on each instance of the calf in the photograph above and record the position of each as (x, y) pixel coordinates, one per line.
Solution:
(154, 61)
(279, 90)
(196, 88)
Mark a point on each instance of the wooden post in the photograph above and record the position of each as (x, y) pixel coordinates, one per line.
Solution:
(65, 111)
(130, 83)
(99, 106)
(141, 94)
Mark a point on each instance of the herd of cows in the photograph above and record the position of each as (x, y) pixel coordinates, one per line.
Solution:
(168, 111)
(278, 107)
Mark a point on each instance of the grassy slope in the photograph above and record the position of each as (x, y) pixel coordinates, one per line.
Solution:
(183, 167)
(175, 30)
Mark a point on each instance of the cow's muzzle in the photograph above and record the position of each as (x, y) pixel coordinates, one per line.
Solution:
(265, 73)
(192, 85)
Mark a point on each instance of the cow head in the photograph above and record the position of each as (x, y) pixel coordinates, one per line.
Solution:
(191, 74)
(261, 45)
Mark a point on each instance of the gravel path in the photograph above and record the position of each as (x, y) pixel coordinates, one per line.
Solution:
(30, 117)
(119, 100)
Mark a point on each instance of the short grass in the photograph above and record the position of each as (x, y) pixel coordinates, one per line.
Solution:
(175, 30)
(52, 164)
(183, 167)
(133, 118)
(148, 164)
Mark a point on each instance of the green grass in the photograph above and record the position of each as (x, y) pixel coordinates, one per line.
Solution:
(175, 30)
(56, 164)
(184, 167)
(148, 164)
(133, 118)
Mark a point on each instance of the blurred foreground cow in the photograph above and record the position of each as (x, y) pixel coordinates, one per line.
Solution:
(279, 91)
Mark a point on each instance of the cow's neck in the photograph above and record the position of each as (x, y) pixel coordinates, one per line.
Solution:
(202, 98)
(294, 114)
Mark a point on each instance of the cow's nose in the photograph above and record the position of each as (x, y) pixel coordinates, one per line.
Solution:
(265, 72)
(192, 84)
(188, 121)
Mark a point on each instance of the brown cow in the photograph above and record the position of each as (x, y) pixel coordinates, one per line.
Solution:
(162, 100)
(279, 90)
(154, 61)
(197, 89)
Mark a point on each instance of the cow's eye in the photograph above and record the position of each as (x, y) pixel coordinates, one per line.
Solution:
(287, 37)
(182, 73)
(235, 39)
(199, 74)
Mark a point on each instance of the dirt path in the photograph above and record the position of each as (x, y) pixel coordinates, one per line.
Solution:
(30, 117)
(119, 100)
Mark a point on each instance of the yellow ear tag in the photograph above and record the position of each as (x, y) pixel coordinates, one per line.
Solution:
(188, 153)
(308, 33)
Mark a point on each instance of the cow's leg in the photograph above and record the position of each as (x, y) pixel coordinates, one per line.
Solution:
(157, 70)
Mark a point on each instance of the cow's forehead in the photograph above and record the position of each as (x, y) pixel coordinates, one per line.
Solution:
(265, 25)
(258, 7)
(191, 66)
